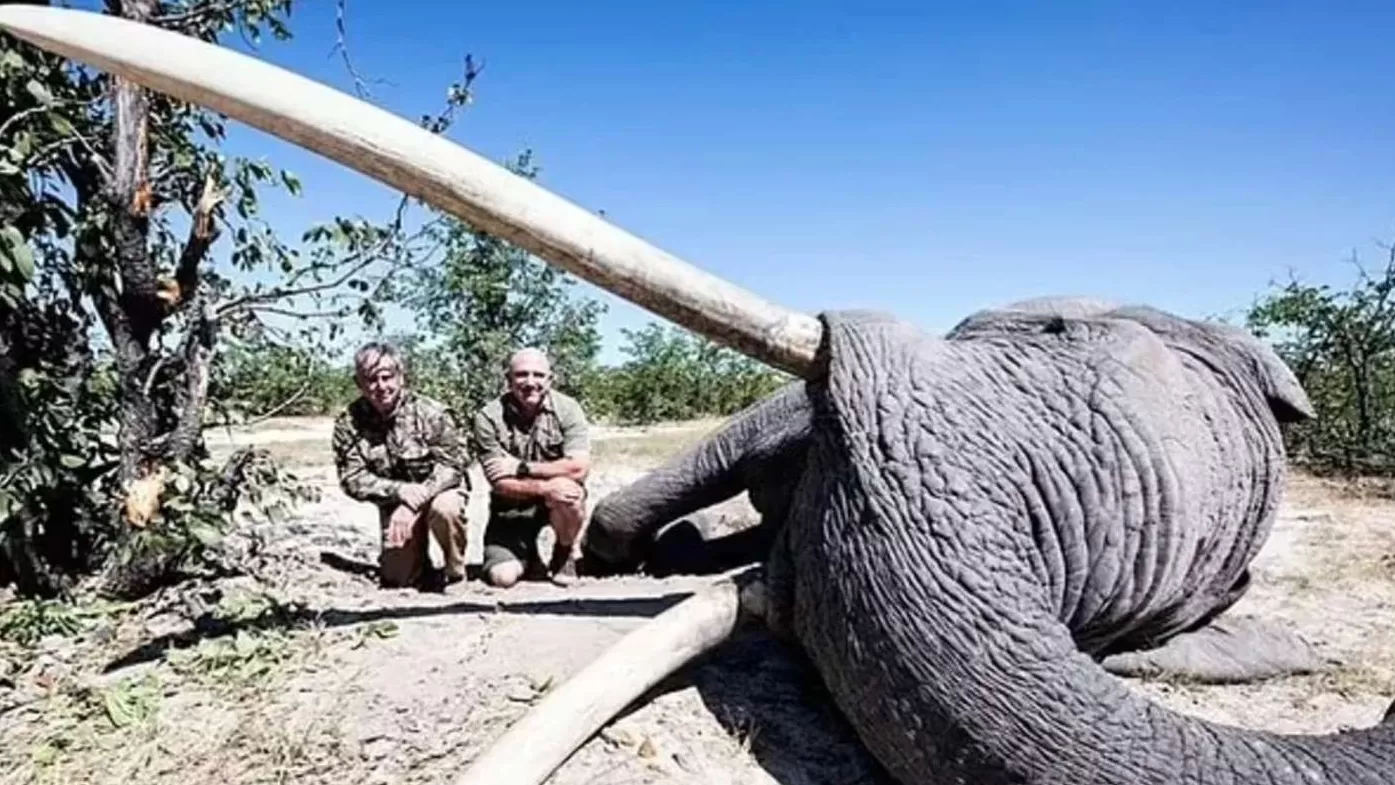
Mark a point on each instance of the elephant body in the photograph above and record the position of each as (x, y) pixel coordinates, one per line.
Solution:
(959, 528)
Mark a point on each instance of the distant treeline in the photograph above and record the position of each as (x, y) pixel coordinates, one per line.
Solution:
(670, 374)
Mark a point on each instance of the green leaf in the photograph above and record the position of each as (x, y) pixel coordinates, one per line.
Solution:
(204, 534)
(23, 145)
(72, 461)
(40, 93)
(61, 125)
(292, 182)
(18, 252)
(116, 709)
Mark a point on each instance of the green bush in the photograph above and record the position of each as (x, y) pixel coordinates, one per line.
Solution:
(1340, 344)
(262, 380)
(673, 374)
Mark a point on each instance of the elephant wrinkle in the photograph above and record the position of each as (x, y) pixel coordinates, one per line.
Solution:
(972, 535)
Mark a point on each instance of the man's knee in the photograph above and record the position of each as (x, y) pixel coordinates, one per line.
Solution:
(449, 505)
(505, 574)
(398, 567)
(573, 506)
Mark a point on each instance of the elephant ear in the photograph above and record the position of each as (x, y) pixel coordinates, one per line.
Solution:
(1230, 350)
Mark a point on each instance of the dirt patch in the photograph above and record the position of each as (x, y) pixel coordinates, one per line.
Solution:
(321, 677)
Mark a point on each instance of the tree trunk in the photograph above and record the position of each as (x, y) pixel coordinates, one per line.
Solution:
(131, 313)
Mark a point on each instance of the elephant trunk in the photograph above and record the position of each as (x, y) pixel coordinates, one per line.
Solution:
(984, 696)
(752, 452)
(1036, 712)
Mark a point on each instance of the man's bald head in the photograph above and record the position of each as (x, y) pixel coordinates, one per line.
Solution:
(529, 377)
(529, 357)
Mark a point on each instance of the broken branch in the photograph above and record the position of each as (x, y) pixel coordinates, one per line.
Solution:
(202, 234)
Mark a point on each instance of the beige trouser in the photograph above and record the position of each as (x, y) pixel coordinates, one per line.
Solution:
(444, 519)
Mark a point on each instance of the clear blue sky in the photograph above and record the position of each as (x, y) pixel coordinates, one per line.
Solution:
(926, 159)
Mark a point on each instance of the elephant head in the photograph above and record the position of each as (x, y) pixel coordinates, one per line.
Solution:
(951, 517)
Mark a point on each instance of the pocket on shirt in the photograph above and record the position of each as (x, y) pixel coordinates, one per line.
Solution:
(378, 458)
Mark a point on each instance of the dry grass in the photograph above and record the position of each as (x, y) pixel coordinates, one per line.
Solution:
(643, 447)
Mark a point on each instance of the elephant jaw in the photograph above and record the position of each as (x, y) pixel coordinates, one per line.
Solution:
(428, 166)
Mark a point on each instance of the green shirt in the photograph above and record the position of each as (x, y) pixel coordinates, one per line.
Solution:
(502, 436)
(418, 443)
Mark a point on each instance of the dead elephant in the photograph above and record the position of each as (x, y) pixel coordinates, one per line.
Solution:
(934, 597)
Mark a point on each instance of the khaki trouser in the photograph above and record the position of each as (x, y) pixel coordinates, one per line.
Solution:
(511, 533)
(444, 519)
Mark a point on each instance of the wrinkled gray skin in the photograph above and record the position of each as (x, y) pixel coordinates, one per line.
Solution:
(956, 529)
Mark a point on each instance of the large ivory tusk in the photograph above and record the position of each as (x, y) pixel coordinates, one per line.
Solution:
(532, 749)
(432, 168)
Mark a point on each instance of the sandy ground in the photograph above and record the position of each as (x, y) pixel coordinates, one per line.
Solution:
(371, 686)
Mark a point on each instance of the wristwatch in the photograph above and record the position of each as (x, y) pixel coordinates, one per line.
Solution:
(522, 470)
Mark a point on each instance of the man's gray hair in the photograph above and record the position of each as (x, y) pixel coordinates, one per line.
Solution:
(374, 352)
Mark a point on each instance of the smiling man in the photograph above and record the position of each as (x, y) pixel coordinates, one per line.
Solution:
(534, 446)
(402, 451)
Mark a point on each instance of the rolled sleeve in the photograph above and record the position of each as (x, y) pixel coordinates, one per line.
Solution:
(496, 462)
(576, 431)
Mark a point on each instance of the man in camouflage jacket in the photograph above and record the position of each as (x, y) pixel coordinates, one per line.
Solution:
(401, 451)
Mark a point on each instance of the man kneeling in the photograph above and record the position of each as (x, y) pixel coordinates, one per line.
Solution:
(533, 444)
(401, 451)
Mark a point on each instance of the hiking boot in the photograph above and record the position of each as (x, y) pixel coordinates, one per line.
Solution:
(562, 566)
(535, 570)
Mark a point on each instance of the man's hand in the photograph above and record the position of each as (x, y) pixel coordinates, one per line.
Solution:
(400, 527)
(414, 495)
(560, 490)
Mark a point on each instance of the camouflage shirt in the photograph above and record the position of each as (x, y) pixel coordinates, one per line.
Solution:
(419, 443)
(502, 437)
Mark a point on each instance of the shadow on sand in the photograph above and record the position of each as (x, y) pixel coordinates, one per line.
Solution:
(288, 617)
(770, 697)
